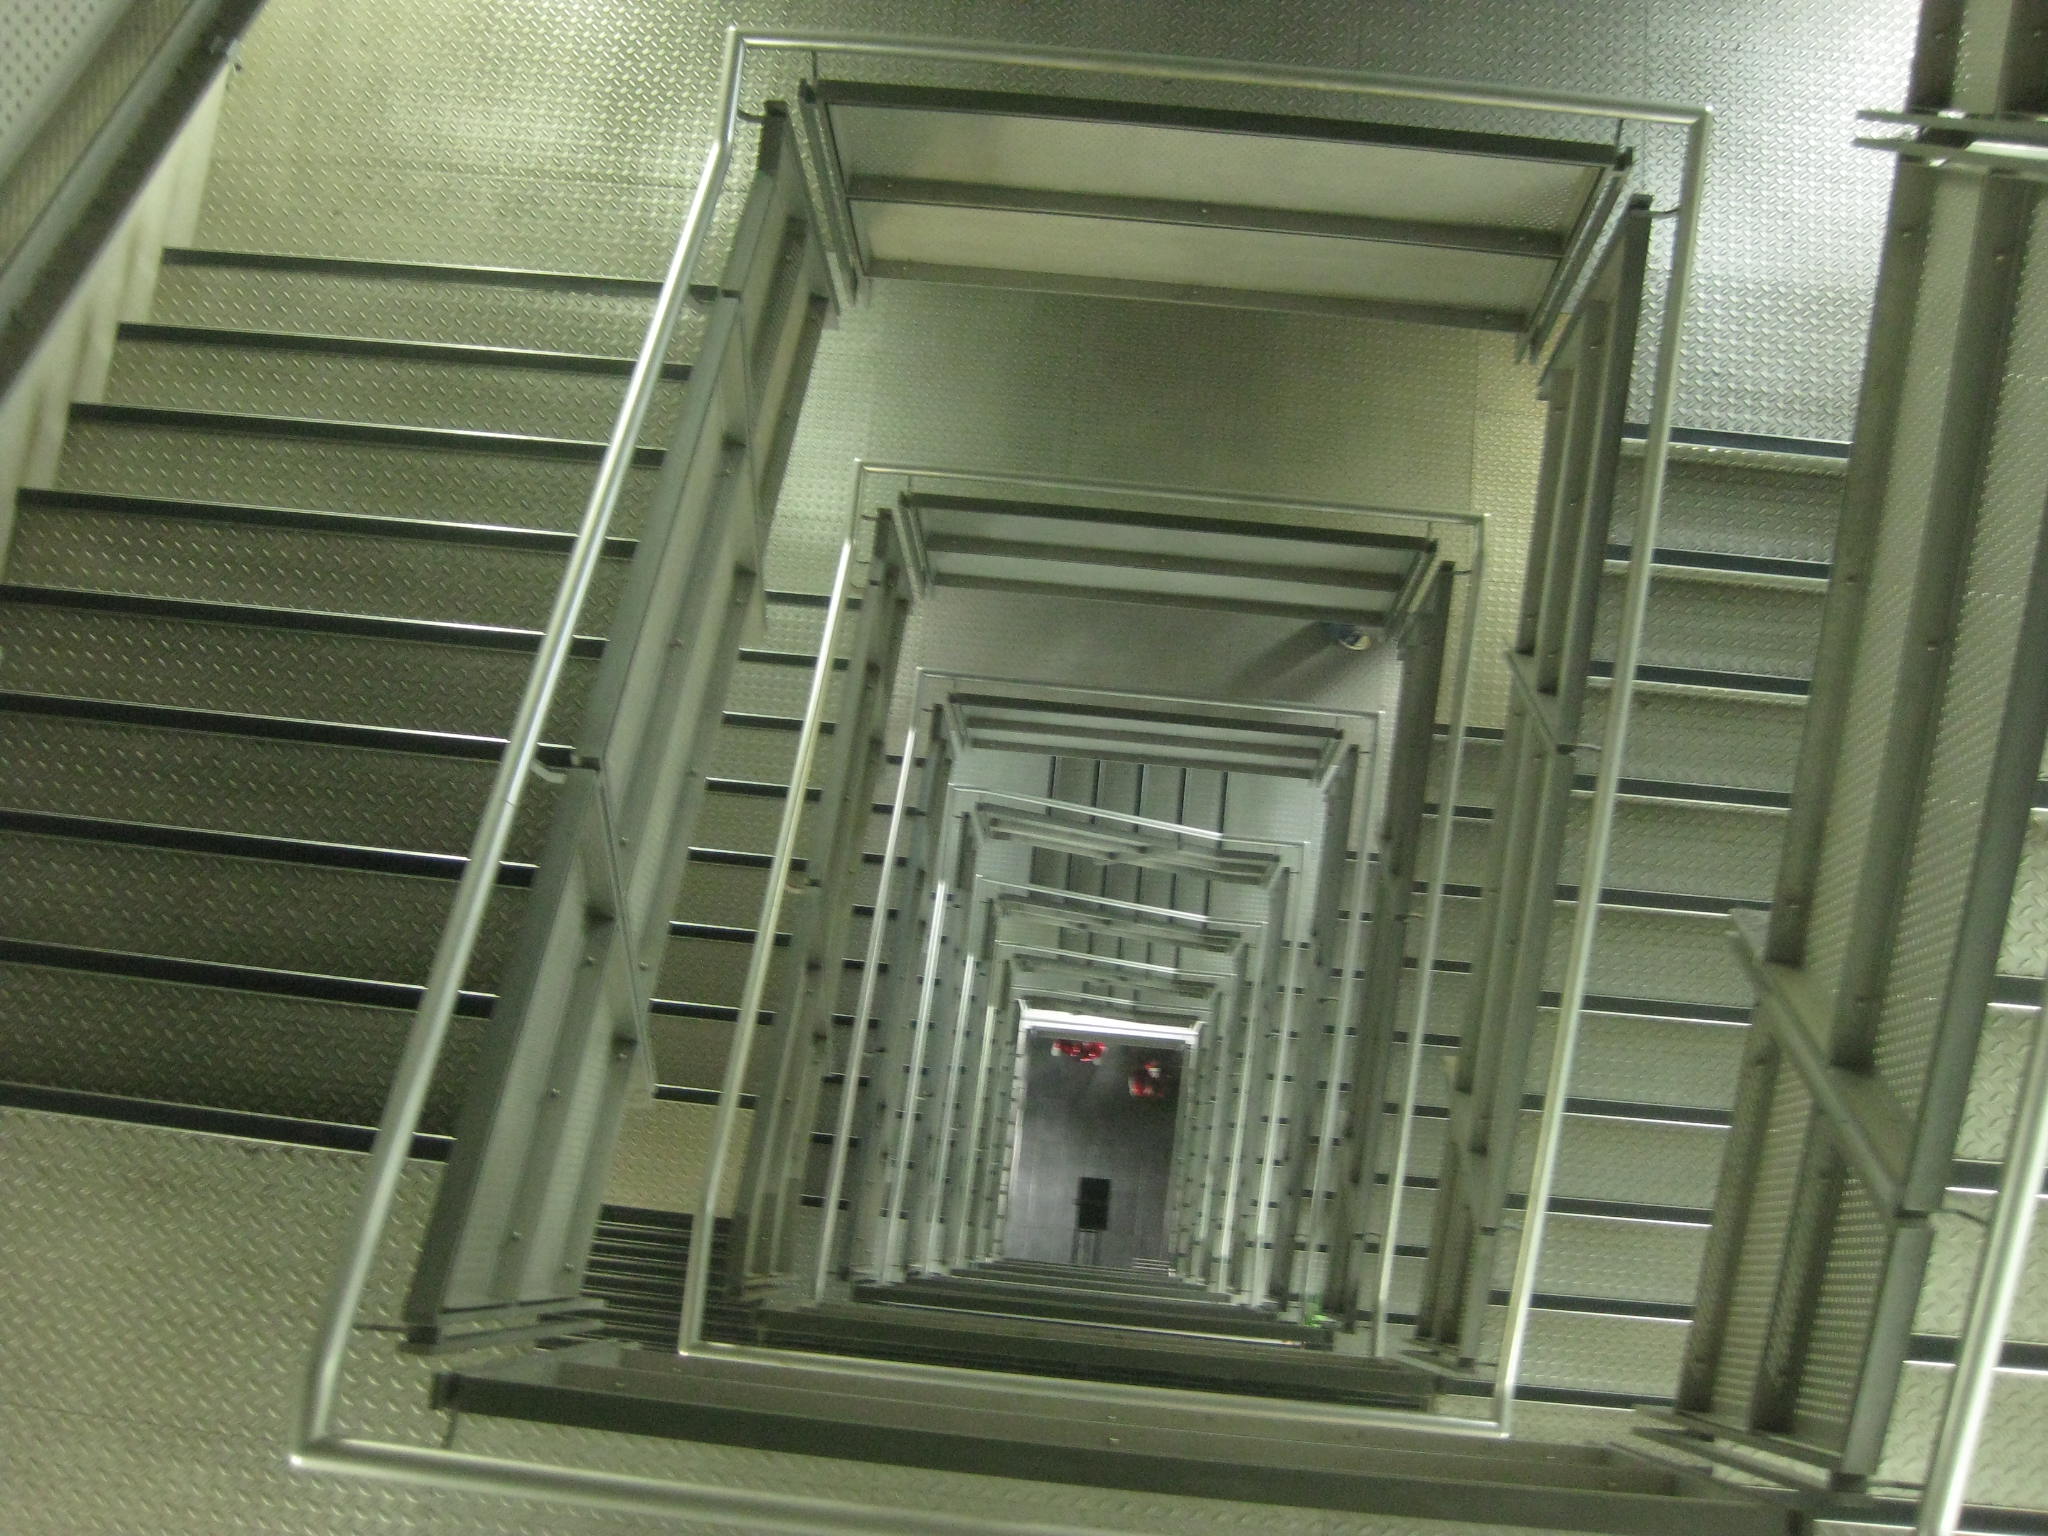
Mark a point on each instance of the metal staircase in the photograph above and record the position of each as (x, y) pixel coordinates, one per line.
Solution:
(265, 627)
(1741, 566)
(261, 633)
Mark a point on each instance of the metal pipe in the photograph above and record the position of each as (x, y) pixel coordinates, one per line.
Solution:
(970, 1175)
(1607, 781)
(920, 1030)
(1337, 1070)
(1432, 938)
(697, 1270)
(2000, 1270)
(849, 1090)
(414, 1075)
(949, 1099)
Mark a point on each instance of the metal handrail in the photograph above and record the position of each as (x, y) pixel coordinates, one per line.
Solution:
(403, 1107)
(315, 1445)
(1607, 779)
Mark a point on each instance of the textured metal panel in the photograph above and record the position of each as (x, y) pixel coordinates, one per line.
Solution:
(1768, 1212)
(721, 893)
(661, 1155)
(1995, 1084)
(1689, 848)
(1615, 1259)
(178, 1431)
(295, 674)
(362, 796)
(1952, 1268)
(1859, 1242)
(1668, 955)
(1663, 1162)
(2008, 1467)
(1707, 736)
(1660, 1061)
(1478, 772)
(51, 40)
(1675, 957)
(1882, 636)
(2025, 951)
(690, 1053)
(157, 901)
(1768, 626)
(770, 688)
(1779, 324)
(1627, 1059)
(67, 67)
(1674, 847)
(586, 320)
(324, 475)
(1636, 1356)
(421, 392)
(1657, 1162)
(743, 823)
(1946, 830)
(143, 1039)
(1731, 502)
(225, 561)
(762, 753)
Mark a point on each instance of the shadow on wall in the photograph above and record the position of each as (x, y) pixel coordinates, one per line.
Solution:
(1082, 1120)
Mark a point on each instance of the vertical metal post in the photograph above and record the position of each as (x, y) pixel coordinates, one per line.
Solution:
(697, 1272)
(2000, 1269)
(856, 1048)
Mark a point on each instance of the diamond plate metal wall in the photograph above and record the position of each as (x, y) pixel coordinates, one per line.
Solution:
(50, 40)
(178, 1427)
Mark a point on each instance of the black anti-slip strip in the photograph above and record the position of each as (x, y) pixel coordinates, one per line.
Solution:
(1739, 565)
(1753, 442)
(385, 434)
(354, 991)
(423, 271)
(298, 519)
(395, 348)
(247, 845)
(331, 1135)
(367, 626)
(1710, 677)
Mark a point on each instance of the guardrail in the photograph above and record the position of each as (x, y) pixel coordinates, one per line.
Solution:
(316, 1444)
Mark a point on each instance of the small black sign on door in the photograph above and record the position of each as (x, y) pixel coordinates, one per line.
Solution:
(1091, 1206)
